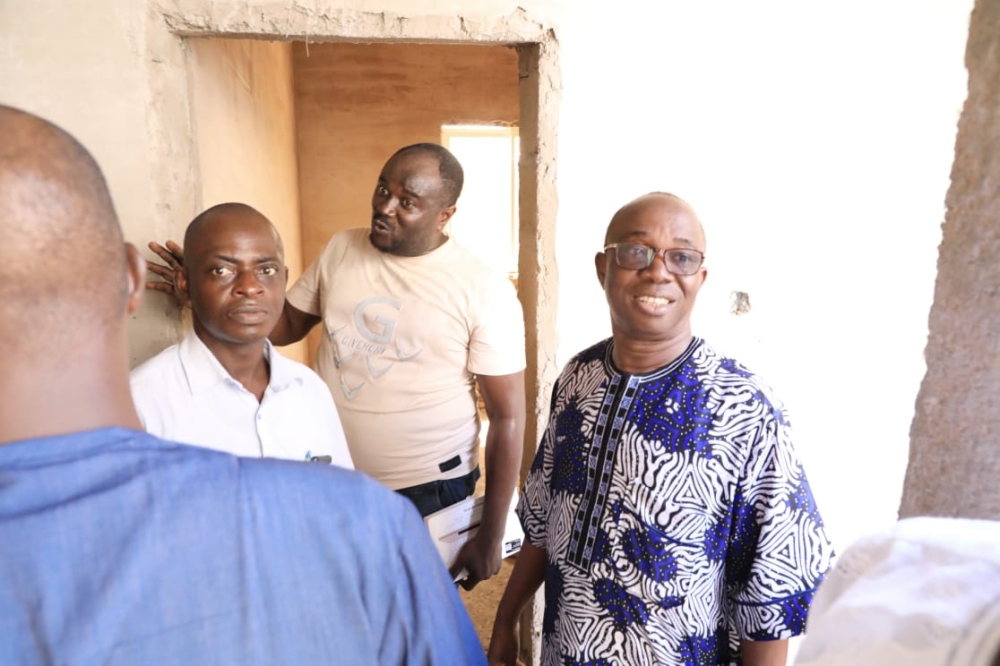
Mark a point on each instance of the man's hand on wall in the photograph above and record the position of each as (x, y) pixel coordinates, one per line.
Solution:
(173, 255)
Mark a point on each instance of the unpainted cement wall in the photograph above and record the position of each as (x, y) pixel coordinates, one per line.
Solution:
(954, 466)
(243, 114)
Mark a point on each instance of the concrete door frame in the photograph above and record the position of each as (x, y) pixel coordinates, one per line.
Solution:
(174, 153)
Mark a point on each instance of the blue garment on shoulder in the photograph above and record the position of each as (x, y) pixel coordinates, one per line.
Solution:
(120, 548)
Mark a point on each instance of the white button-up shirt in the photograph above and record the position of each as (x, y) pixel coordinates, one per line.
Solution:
(185, 395)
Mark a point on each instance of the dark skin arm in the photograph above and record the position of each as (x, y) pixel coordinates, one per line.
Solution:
(504, 399)
(528, 574)
(764, 653)
(292, 326)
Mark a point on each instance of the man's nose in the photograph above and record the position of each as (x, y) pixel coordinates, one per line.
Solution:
(386, 205)
(658, 269)
(248, 283)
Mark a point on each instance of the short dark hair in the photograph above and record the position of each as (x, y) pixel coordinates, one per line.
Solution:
(452, 175)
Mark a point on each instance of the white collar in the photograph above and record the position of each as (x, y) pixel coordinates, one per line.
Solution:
(204, 371)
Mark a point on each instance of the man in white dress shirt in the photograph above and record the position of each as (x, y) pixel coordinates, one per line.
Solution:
(225, 386)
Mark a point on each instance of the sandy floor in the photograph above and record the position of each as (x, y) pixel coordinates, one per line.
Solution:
(483, 600)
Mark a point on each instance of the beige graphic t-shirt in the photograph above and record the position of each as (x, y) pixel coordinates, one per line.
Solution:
(403, 339)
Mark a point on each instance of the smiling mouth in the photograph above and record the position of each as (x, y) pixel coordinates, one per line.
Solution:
(654, 300)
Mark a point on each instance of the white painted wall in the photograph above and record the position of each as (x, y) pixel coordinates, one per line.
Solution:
(816, 143)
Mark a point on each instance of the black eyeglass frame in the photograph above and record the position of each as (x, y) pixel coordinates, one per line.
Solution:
(652, 252)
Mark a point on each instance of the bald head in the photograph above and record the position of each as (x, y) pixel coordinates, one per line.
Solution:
(661, 204)
(68, 285)
(651, 271)
(227, 214)
(62, 253)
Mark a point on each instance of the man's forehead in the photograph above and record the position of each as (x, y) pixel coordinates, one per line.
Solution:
(657, 216)
(418, 172)
(229, 233)
(420, 183)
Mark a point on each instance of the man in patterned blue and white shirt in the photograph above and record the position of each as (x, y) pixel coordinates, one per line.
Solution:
(666, 510)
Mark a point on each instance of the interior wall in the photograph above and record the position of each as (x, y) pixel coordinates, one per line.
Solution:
(356, 104)
(98, 90)
(815, 141)
(955, 442)
(243, 110)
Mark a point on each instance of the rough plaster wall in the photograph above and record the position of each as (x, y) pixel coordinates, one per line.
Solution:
(114, 72)
(243, 114)
(955, 439)
(356, 104)
(51, 64)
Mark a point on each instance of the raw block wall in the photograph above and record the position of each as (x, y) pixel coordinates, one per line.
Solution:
(954, 466)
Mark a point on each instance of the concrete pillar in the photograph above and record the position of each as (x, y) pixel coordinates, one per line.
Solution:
(954, 464)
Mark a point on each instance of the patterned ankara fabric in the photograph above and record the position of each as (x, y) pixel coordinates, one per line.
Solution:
(675, 514)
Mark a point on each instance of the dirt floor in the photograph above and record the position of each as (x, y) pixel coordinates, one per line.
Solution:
(483, 600)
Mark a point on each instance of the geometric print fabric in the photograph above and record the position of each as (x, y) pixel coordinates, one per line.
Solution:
(676, 516)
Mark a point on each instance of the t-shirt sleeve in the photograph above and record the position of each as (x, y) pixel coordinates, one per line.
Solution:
(427, 623)
(778, 550)
(307, 292)
(496, 345)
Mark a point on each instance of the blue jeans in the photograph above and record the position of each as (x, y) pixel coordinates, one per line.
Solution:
(436, 495)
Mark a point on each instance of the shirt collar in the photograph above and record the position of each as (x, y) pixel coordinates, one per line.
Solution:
(284, 372)
(204, 372)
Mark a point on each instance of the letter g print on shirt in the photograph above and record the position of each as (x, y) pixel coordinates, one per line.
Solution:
(372, 339)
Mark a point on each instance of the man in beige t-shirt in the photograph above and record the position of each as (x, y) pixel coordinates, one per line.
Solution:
(412, 324)
(405, 338)
(412, 321)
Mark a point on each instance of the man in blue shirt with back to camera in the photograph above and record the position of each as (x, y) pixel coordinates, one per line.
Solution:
(119, 547)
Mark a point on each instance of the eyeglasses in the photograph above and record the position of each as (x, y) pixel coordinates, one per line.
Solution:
(678, 260)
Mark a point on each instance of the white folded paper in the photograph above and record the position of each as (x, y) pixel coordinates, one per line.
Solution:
(452, 526)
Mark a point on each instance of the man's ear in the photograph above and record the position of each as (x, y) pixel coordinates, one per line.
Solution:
(601, 264)
(445, 216)
(181, 286)
(135, 266)
(285, 269)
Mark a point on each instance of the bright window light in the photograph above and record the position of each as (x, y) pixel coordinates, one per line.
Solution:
(487, 218)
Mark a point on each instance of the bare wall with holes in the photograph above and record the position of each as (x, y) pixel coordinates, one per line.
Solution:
(955, 438)
(356, 104)
(242, 109)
